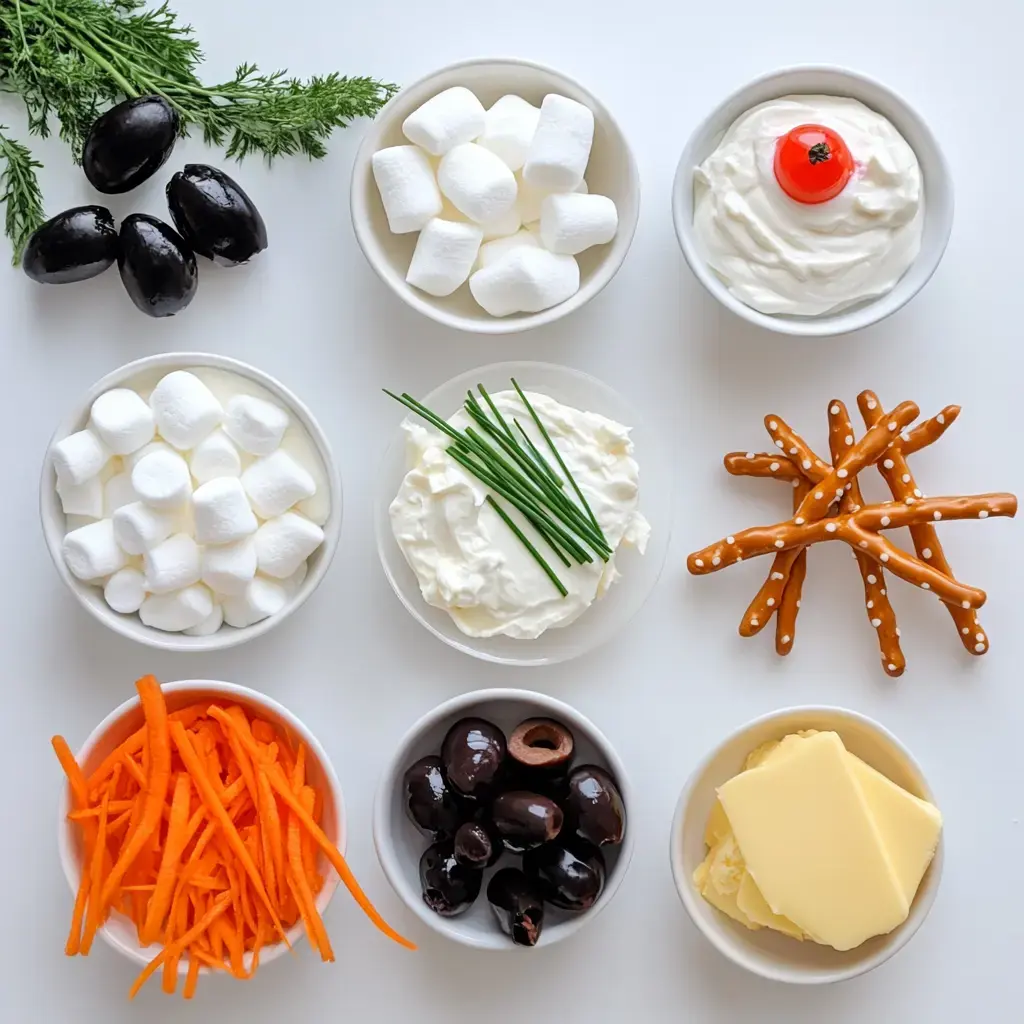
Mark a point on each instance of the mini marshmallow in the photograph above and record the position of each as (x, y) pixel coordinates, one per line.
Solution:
(162, 480)
(125, 591)
(214, 456)
(506, 225)
(131, 461)
(210, 624)
(560, 150)
(509, 127)
(275, 483)
(255, 425)
(491, 252)
(260, 599)
(123, 421)
(407, 186)
(530, 198)
(91, 551)
(446, 120)
(174, 613)
(525, 280)
(185, 409)
(444, 256)
(228, 568)
(172, 565)
(81, 499)
(118, 492)
(477, 182)
(284, 543)
(139, 528)
(570, 223)
(222, 512)
(79, 457)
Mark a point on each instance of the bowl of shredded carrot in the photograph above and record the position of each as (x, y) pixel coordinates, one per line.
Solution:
(202, 831)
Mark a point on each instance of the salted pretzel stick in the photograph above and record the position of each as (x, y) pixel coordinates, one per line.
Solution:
(789, 605)
(760, 464)
(897, 474)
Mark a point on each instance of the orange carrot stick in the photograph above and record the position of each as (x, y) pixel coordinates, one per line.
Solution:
(114, 807)
(94, 915)
(192, 978)
(272, 824)
(74, 943)
(299, 769)
(303, 895)
(173, 847)
(308, 800)
(134, 769)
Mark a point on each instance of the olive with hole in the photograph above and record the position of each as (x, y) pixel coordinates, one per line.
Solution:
(478, 845)
(518, 906)
(215, 216)
(526, 820)
(129, 142)
(594, 809)
(73, 246)
(570, 876)
(449, 888)
(540, 752)
(430, 804)
(157, 268)
(473, 753)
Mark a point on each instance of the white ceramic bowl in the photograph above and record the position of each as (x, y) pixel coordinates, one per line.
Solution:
(611, 172)
(765, 952)
(831, 81)
(639, 572)
(119, 932)
(143, 374)
(400, 844)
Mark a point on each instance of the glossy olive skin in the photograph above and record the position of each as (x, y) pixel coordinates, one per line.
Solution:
(215, 216)
(526, 820)
(128, 143)
(518, 906)
(73, 246)
(478, 845)
(157, 268)
(432, 807)
(473, 753)
(570, 876)
(593, 808)
(449, 888)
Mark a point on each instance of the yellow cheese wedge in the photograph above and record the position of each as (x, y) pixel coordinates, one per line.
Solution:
(754, 907)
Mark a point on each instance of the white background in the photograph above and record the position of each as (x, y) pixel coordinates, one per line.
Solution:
(359, 670)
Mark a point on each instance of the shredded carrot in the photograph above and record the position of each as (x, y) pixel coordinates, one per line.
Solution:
(192, 978)
(160, 902)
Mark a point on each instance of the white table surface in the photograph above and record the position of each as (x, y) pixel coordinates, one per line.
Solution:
(359, 670)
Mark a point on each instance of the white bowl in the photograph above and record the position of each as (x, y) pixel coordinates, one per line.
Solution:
(765, 952)
(400, 844)
(119, 932)
(611, 172)
(639, 572)
(831, 81)
(143, 374)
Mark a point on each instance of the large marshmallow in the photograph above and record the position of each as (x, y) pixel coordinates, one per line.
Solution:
(174, 564)
(275, 483)
(222, 512)
(118, 492)
(530, 198)
(125, 590)
(254, 424)
(477, 182)
(525, 280)
(560, 150)
(123, 421)
(509, 127)
(491, 252)
(214, 456)
(284, 543)
(446, 120)
(444, 256)
(570, 223)
(79, 457)
(228, 568)
(139, 528)
(185, 409)
(260, 599)
(210, 624)
(176, 612)
(407, 186)
(91, 552)
(162, 480)
(81, 499)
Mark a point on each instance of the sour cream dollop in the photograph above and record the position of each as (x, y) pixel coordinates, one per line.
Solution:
(470, 564)
(780, 256)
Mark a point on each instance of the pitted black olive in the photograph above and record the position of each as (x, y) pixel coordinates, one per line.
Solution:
(473, 753)
(430, 804)
(518, 906)
(129, 142)
(478, 845)
(594, 809)
(526, 820)
(73, 246)
(157, 268)
(448, 887)
(570, 876)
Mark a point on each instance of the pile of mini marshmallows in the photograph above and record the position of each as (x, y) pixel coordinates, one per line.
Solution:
(507, 206)
(230, 549)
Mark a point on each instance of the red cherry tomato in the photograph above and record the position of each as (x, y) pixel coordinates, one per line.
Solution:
(812, 163)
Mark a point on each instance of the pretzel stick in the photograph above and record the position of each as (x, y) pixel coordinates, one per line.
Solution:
(751, 464)
(789, 606)
(925, 433)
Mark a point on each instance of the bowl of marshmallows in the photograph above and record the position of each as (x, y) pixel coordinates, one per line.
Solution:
(190, 501)
(495, 196)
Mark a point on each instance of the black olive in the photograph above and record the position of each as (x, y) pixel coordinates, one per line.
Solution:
(526, 820)
(73, 246)
(478, 845)
(518, 905)
(215, 216)
(570, 875)
(448, 887)
(157, 268)
(540, 754)
(129, 142)
(473, 753)
(430, 804)
(594, 810)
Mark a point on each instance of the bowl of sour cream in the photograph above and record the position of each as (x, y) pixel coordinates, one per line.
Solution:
(813, 201)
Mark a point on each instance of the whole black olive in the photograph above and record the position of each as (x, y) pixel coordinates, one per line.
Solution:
(594, 809)
(215, 216)
(473, 753)
(448, 887)
(570, 876)
(518, 906)
(128, 142)
(157, 268)
(73, 246)
(540, 754)
(478, 845)
(526, 820)
(430, 804)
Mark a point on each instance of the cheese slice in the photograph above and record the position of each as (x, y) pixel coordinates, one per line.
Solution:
(754, 907)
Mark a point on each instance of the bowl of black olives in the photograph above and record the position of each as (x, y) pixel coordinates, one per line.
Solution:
(502, 821)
